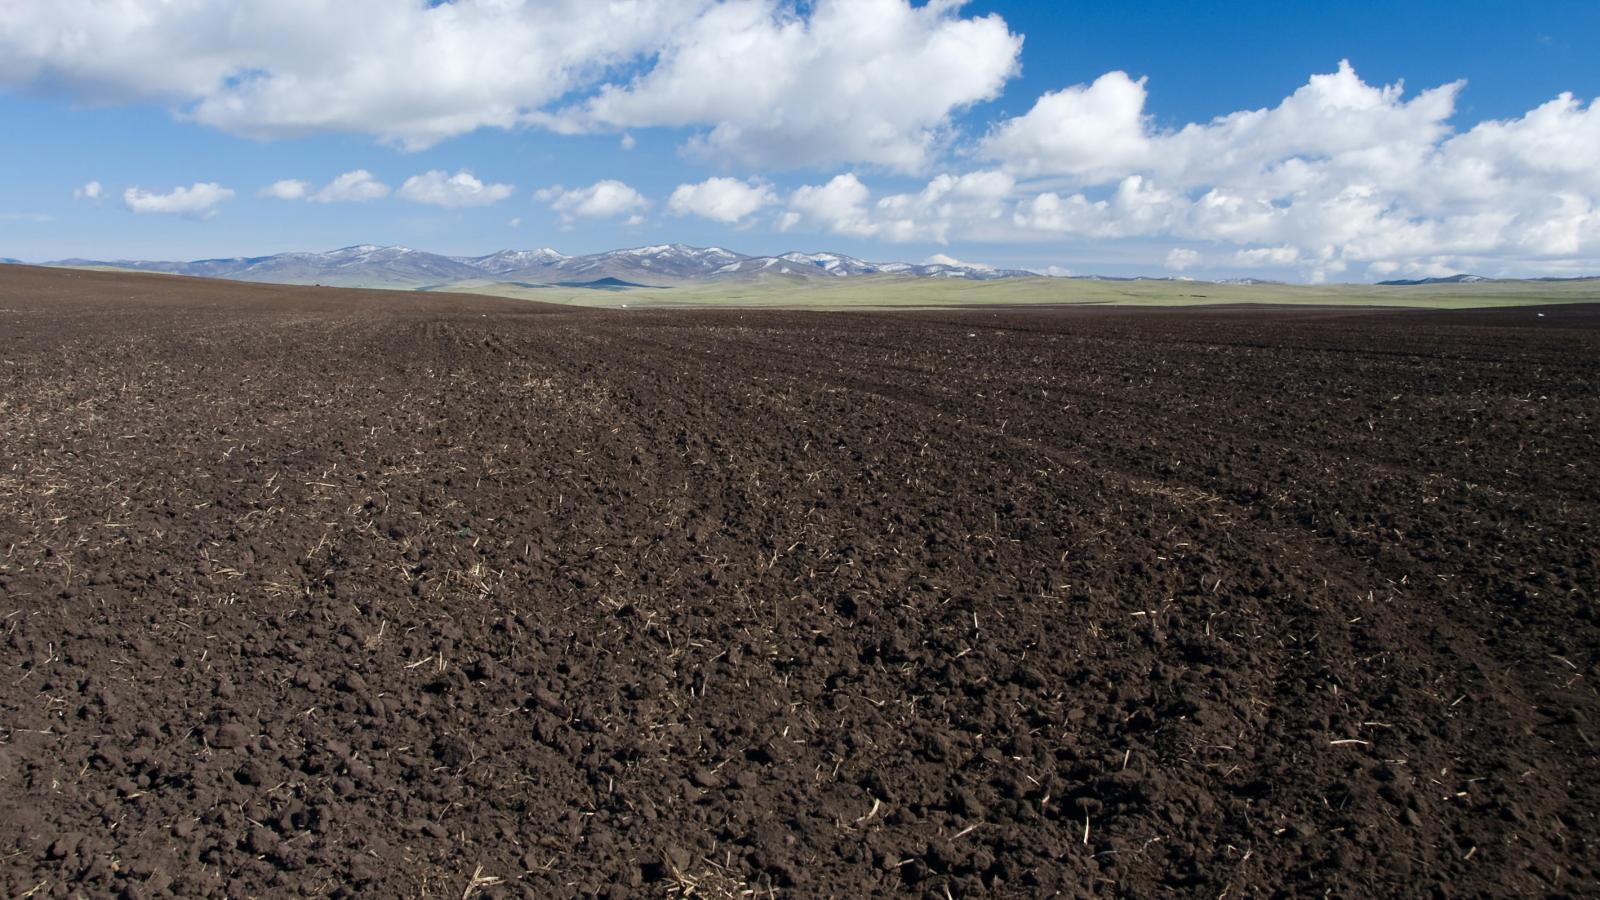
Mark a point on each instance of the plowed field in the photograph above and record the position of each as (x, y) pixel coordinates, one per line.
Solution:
(314, 592)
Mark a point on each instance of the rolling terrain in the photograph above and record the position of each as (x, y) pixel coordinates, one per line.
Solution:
(886, 292)
(676, 275)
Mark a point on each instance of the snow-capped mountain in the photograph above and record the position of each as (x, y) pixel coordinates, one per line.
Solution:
(360, 265)
(969, 271)
(837, 265)
(1448, 279)
(508, 262)
(661, 264)
(832, 265)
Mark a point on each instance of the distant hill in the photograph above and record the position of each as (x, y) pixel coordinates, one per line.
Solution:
(1475, 279)
(602, 284)
(664, 264)
(1448, 279)
(364, 265)
(510, 262)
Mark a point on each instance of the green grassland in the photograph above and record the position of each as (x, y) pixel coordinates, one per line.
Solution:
(903, 292)
(891, 292)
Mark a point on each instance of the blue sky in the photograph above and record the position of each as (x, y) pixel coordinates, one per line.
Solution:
(1201, 139)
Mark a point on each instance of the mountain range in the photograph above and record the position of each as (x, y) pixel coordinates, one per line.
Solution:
(660, 265)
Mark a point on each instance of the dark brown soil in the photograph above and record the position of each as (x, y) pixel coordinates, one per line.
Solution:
(314, 592)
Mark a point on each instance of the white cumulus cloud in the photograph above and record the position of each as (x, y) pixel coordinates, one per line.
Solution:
(772, 82)
(1339, 177)
(839, 206)
(352, 187)
(1181, 258)
(1094, 131)
(199, 200)
(287, 189)
(726, 200)
(90, 191)
(948, 203)
(1267, 256)
(856, 81)
(1340, 174)
(411, 73)
(456, 191)
(608, 199)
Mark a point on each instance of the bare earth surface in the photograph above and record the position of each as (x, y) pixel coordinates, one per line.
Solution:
(312, 592)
